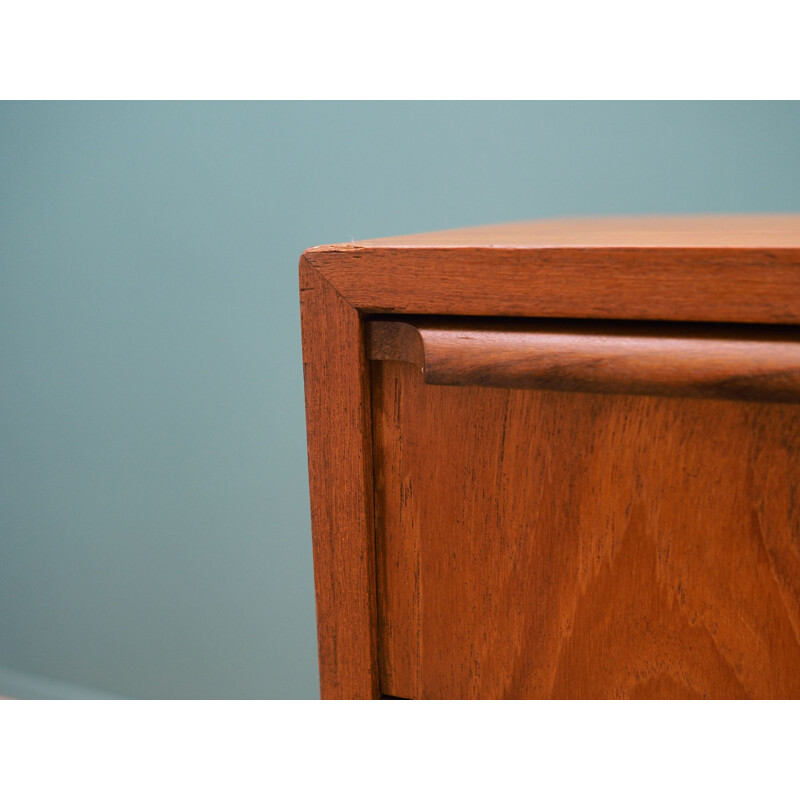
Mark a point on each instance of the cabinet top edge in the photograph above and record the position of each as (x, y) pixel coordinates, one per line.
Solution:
(684, 232)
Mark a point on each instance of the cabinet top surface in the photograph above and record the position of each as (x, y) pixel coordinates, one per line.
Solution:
(724, 232)
(737, 268)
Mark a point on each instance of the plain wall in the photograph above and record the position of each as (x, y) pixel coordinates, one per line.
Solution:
(154, 524)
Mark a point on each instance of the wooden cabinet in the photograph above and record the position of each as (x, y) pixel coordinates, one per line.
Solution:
(557, 459)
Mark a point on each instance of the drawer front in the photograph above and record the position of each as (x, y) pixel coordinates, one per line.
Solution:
(573, 544)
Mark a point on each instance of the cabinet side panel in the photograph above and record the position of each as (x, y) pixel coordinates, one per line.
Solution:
(340, 480)
(589, 546)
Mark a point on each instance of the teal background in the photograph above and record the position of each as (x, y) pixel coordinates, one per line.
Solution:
(154, 519)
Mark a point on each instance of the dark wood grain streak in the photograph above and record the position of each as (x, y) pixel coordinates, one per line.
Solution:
(340, 480)
(733, 362)
(714, 269)
(558, 545)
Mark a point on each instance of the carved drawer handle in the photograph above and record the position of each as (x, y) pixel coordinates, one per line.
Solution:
(744, 362)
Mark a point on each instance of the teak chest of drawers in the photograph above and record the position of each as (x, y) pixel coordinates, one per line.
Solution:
(557, 459)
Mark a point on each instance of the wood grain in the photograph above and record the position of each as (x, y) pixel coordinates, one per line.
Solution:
(556, 544)
(723, 361)
(563, 545)
(715, 269)
(340, 481)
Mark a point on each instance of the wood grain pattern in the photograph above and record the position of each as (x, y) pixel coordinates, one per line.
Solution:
(734, 362)
(554, 544)
(715, 269)
(558, 545)
(340, 480)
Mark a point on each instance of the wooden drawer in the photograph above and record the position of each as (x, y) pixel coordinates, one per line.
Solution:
(579, 483)
(576, 544)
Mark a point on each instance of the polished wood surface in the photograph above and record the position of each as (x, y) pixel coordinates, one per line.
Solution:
(340, 482)
(477, 541)
(562, 545)
(714, 269)
(742, 362)
(756, 231)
